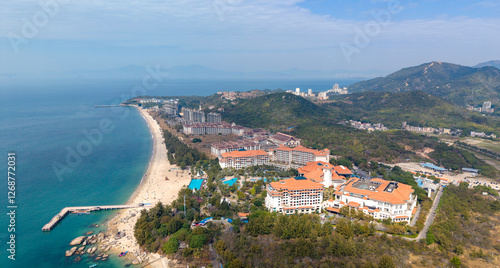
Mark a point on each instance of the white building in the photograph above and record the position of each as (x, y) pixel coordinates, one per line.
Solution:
(242, 159)
(378, 198)
(294, 195)
(228, 146)
(300, 155)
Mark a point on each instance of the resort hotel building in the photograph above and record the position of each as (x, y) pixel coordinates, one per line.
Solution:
(243, 159)
(325, 173)
(294, 195)
(299, 155)
(377, 197)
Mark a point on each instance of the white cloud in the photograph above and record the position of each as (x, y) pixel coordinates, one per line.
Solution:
(239, 28)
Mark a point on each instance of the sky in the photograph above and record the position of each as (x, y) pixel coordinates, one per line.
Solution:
(54, 36)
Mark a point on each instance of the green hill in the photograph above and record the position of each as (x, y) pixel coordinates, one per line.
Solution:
(274, 111)
(317, 125)
(417, 108)
(494, 63)
(460, 84)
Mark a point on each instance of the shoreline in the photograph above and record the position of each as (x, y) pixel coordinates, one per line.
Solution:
(153, 188)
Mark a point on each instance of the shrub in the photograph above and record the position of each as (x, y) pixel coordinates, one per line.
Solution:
(171, 246)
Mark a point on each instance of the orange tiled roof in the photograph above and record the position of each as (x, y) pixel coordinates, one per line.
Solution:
(301, 148)
(401, 217)
(241, 214)
(294, 184)
(245, 153)
(316, 175)
(398, 196)
(353, 204)
(333, 209)
(342, 170)
(284, 148)
(310, 166)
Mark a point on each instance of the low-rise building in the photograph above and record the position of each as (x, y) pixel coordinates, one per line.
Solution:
(284, 139)
(228, 146)
(377, 197)
(482, 135)
(294, 195)
(242, 159)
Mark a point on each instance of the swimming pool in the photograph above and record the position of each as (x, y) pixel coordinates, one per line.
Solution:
(195, 184)
(231, 181)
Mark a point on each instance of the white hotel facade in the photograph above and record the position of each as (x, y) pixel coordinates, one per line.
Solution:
(294, 195)
(378, 198)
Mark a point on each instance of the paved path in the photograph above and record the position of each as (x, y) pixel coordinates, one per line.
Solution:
(65, 211)
(431, 215)
(417, 214)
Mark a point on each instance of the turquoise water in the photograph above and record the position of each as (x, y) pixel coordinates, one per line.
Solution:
(40, 121)
(231, 182)
(39, 128)
(195, 184)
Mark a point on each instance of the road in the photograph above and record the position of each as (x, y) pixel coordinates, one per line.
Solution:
(431, 216)
(417, 214)
(213, 256)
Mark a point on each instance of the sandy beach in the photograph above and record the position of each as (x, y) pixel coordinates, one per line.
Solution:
(153, 188)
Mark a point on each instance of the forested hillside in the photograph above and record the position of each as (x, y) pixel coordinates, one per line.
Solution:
(460, 84)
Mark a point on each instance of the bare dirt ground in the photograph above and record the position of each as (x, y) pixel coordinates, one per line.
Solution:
(487, 144)
(450, 177)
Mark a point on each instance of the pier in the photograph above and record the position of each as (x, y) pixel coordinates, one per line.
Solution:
(65, 211)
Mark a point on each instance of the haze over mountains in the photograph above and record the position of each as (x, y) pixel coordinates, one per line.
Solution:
(493, 63)
(195, 71)
(460, 84)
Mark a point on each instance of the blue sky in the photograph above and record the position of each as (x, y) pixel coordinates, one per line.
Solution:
(241, 35)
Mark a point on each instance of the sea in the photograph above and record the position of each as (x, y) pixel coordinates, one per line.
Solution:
(66, 152)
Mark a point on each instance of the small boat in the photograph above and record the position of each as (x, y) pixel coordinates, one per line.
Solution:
(123, 254)
(93, 265)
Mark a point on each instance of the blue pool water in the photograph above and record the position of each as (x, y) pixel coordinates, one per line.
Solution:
(195, 184)
(231, 182)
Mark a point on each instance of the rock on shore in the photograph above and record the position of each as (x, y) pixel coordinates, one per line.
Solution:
(77, 241)
(70, 252)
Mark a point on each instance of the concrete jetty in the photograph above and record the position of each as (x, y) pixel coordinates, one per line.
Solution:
(65, 211)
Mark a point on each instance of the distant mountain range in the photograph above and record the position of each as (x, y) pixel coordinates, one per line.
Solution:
(196, 71)
(460, 84)
(493, 63)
